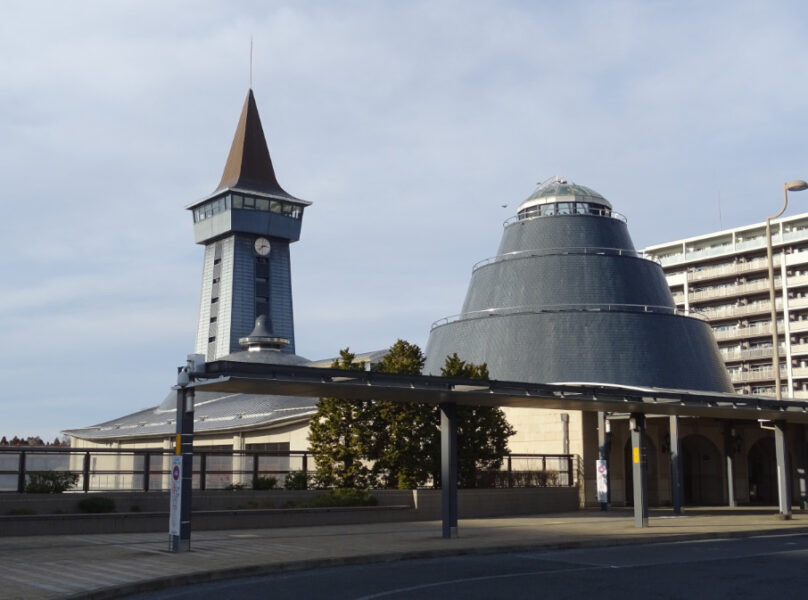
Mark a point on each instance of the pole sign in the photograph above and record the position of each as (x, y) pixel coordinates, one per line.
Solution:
(176, 495)
(603, 481)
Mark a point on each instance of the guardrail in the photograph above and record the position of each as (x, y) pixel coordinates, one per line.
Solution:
(554, 308)
(149, 469)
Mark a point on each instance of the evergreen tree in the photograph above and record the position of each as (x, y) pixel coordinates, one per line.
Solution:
(405, 440)
(336, 436)
(482, 431)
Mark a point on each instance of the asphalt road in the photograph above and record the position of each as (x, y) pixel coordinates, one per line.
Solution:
(758, 567)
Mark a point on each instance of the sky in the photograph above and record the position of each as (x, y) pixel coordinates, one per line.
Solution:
(414, 128)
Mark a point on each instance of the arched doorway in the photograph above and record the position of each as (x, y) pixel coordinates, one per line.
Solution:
(763, 472)
(651, 474)
(702, 475)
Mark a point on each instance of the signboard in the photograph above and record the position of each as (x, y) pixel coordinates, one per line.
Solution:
(603, 481)
(176, 494)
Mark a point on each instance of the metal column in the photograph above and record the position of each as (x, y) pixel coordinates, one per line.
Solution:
(783, 470)
(179, 538)
(676, 465)
(448, 471)
(802, 465)
(729, 453)
(639, 461)
(603, 462)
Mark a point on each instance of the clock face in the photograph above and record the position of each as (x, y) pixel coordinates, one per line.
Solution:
(262, 246)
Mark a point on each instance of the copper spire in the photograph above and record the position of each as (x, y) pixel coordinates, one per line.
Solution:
(249, 166)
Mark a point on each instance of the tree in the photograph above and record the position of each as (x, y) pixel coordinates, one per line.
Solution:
(337, 436)
(404, 440)
(482, 431)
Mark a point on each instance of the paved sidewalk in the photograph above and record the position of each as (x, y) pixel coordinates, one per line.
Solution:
(114, 565)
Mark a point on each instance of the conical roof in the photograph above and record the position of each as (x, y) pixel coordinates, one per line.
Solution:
(569, 299)
(249, 166)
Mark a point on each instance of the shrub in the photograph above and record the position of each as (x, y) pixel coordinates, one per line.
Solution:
(265, 483)
(517, 479)
(50, 482)
(339, 497)
(97, 504)
(230, 487)
(24, 510)
(296, 480)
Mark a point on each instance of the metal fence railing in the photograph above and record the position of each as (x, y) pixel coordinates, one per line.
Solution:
(145, 469)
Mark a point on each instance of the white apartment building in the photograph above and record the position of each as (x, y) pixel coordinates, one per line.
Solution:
(724, 276)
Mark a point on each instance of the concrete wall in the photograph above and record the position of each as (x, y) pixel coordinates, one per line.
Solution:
(245, 510)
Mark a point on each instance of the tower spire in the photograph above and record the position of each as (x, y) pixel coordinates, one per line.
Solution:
(249, 166)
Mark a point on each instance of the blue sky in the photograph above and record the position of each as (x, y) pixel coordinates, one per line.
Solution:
(407, 124)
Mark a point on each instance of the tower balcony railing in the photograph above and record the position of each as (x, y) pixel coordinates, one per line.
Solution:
(558, 308)
(592, 212)
(572, 251)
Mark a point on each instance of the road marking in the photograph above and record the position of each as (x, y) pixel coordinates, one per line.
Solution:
(436, 584)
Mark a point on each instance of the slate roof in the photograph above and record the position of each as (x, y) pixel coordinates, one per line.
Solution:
(249, 166)
(213, 413)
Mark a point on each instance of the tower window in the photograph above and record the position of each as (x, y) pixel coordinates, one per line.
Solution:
(214, 300)
(211, 339)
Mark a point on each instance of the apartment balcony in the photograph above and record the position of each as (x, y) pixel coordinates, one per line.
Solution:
(799, 349)
(801, 372)
(778, 239)
(760, 264)
(756, 375)
(739, 333)
(750, 354)
(799, 394)
(757, 308)
(742, 289)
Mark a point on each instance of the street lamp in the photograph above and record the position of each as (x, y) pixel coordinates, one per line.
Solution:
(792, 186)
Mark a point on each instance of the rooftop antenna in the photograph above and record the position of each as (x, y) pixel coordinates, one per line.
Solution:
(251, 48)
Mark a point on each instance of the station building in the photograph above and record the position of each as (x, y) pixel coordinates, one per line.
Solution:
(566, 299)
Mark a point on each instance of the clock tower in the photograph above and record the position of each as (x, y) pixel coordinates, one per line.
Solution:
(246, 226)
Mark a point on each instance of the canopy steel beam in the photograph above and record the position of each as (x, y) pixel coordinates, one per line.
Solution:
(447, 392)
(249, 378)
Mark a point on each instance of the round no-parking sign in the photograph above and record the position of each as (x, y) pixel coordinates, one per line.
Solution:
(176, 472)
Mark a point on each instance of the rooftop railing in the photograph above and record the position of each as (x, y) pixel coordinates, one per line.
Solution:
(610, 214)
(557, 308)
(571, 251)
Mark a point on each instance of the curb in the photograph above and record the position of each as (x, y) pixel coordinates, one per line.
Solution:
(171, 581)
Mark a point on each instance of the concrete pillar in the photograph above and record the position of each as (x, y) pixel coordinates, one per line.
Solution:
(603, 456)
(677, 495)
(729, 454)
(639, 461)
(448, 460)
(240, 466)
(783, 469)
(802, 464)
